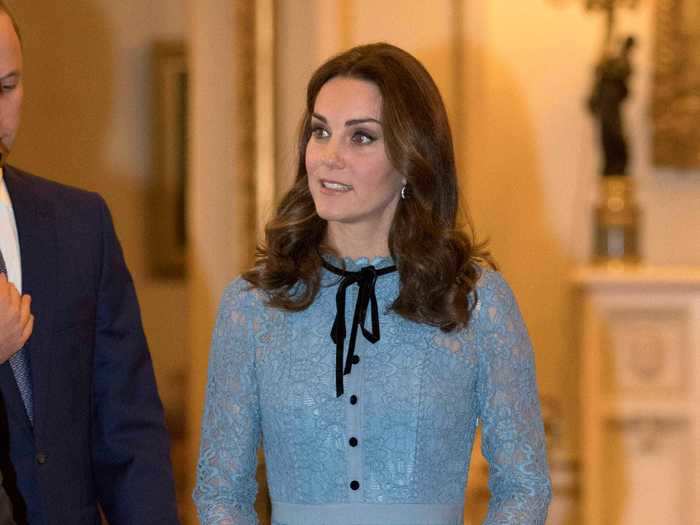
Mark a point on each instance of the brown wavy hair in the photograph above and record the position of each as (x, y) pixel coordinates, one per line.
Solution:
(438, 262)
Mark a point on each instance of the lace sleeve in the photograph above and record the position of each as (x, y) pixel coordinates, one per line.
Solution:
(512, 434)
(226, 486)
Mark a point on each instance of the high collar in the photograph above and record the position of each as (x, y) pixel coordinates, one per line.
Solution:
(355, 264)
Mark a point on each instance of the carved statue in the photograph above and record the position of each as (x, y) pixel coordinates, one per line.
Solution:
(605, 103)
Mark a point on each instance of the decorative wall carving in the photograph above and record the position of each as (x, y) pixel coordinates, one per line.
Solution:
(645, 352)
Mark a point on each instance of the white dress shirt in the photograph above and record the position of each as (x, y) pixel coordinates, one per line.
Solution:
(9, 240)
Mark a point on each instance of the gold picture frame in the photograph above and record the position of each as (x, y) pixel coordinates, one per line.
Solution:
(167, 228)
(676, 88)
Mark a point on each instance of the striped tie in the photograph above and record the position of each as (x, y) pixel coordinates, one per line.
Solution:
(20, 367)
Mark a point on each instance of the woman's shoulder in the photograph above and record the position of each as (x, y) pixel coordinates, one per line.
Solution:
(493, 293)
(490, 281)
(239, 294)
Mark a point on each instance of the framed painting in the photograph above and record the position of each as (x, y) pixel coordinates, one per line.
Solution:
(676, 89)
(167, 228)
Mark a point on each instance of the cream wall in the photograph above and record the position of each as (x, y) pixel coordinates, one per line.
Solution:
(532, 159)
(542, 53)
(87, 122)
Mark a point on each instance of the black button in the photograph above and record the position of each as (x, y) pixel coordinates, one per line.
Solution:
(353, 400)
(355, 359)
(354, 485)
(353, 442)
(41, 458)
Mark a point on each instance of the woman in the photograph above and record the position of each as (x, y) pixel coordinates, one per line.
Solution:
(368, 341)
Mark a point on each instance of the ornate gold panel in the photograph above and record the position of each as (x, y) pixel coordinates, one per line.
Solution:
(676, 95)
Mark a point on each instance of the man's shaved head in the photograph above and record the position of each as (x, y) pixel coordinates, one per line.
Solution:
(5, 9)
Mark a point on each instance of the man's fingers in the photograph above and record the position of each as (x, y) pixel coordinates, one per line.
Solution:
(27, 331)
(5, 287)
(26, 319)
(15, 301)
(10, 302)
(25, 308)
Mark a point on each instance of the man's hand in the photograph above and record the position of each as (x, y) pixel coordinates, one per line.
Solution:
(16, 319)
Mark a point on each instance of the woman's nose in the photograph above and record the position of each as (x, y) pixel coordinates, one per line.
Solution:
(333, 156)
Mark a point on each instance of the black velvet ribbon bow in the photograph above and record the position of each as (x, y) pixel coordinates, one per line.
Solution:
(365, 279)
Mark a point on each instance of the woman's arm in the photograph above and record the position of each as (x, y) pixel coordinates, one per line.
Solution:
(226, 486)
(512, 433)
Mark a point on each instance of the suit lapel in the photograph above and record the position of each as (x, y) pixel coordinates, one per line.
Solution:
(37, 243)
(13, 404)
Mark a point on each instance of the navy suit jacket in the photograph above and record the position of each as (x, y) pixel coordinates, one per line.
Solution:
(98, 436)
(5, 507)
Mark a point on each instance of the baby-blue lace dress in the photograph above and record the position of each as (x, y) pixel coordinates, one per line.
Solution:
(394, 448)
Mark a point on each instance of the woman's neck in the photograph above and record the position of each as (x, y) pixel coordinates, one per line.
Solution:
(350, 242)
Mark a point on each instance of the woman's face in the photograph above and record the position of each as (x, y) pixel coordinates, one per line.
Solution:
(350, 176)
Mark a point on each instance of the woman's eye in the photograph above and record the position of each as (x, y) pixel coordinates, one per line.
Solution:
(8, 87)
(361, 137)
(319, 132)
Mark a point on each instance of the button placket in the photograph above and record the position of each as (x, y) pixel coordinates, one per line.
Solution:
(353, 440)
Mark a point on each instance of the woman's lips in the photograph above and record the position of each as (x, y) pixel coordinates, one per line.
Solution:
(335, 186)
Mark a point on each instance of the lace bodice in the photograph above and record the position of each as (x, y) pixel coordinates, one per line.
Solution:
(402, 432)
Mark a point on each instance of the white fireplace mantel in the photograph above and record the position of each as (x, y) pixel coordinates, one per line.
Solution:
(640, 397)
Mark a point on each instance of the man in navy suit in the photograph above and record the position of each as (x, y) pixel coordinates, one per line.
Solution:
(81, 423)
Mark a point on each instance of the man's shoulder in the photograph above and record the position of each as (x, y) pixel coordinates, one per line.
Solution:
(46, 189)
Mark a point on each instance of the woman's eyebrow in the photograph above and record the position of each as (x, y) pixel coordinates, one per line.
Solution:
(351, 122)
(356, 121)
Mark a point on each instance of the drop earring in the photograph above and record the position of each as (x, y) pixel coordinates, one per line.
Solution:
(403, 192)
